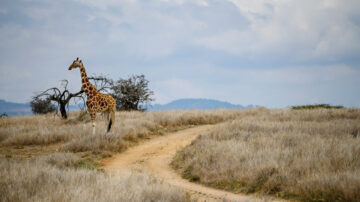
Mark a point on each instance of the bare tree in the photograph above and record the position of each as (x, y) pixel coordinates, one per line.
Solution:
(102, 83)
(62, 95)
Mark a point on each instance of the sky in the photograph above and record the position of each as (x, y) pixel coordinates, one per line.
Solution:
(273, 53)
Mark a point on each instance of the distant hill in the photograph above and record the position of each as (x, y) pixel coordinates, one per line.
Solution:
(14, 109)
(19, 109)
(202, 104)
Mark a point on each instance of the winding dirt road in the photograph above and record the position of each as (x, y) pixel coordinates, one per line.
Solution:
(154, 157)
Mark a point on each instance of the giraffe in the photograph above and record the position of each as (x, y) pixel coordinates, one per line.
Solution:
(96, 101)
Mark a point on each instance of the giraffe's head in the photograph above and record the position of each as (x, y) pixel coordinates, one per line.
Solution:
(76, 64)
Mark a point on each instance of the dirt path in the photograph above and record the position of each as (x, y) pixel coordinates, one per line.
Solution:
(155, 156)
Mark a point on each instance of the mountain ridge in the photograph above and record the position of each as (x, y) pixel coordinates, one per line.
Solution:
(20, 109)
(196, 103)
(16, 109)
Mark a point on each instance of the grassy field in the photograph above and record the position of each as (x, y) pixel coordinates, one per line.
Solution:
(45, 158)
(32, 135)
(311, 155)
(57, 177)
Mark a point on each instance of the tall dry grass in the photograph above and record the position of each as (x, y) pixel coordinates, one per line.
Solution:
(75, 134)
(312, 155)
(55, 178)
(61, 177)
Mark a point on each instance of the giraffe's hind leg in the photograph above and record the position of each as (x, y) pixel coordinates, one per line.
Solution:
(111, 119)
(107, 119)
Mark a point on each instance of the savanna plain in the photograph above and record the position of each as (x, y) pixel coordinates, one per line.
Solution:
(309, 155)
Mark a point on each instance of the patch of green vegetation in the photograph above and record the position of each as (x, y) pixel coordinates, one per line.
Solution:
(242, 187)
(324, 106)
(287, 195)
(87, 163)
(131, 138)
(229, 186)
(332, 195)
(187, 174)
(188, 196)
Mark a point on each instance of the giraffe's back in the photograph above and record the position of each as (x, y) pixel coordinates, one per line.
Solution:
(106, 102)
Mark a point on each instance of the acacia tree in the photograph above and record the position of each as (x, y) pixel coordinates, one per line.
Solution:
(132, 93)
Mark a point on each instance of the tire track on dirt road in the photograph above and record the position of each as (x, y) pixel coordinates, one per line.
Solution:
(154, 157)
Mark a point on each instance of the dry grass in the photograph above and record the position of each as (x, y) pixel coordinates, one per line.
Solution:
(312, 155)
(303, 154)
(61, 177)
(37, 129)
(75, 134)
(55, 178)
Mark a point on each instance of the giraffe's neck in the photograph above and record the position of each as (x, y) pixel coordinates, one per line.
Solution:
(88, 88)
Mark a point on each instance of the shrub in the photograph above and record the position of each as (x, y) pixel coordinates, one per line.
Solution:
(325, 106)
(42, 106)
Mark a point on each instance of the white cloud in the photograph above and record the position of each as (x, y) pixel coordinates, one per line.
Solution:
(307, 29)
(103, 5)
(202, 2)
(237, 39)
(297, 75)
(302, 75)
(253, 8)
(310, 29)
(276, 87)
(279, 87)
(175, 88)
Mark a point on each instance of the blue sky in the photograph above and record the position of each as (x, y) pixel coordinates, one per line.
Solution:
(274, 53)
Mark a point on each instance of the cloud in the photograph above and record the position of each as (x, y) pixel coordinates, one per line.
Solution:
(305, 29)
(175, 88)
(246, 52)
(301, 74)
(277, 87)
(297, 31)
(157, 29)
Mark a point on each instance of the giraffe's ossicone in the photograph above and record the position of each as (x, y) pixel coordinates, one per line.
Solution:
(96, 101)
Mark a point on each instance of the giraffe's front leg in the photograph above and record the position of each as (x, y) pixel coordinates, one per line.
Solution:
(93, 119)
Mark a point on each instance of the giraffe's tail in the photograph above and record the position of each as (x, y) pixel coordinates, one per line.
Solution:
(112, 120)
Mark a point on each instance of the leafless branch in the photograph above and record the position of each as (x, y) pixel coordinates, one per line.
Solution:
(102, 83)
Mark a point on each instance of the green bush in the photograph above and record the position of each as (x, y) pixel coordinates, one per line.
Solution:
(326, 106)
